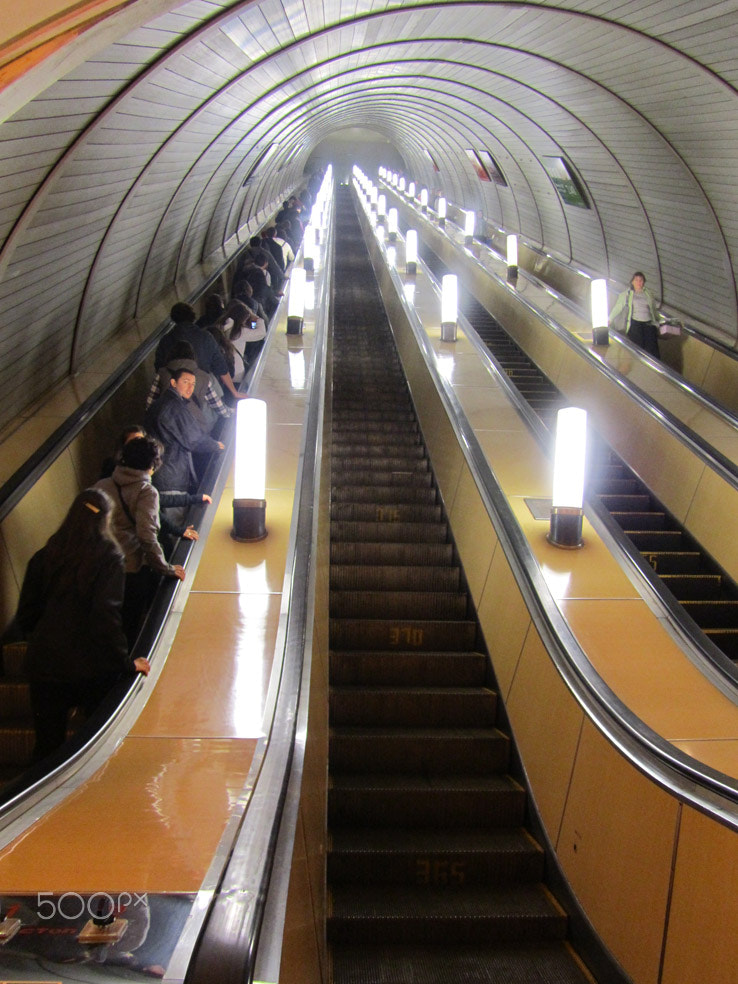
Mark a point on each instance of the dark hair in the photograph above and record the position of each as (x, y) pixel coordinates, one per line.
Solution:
(260, 257)
(225, 345)
(213, 309)
(242, 288)
(269, 233)
(637, 274)
(73, 554)
(125, 435)
(176, 373)
(181, 350)
(255, 242)
(239, 313)
(142, 453)
(182, 314)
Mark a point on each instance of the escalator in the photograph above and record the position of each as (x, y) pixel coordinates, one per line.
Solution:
(432, 874)
(705, 592)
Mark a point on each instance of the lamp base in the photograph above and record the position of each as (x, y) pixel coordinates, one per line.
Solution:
(441, 223)
(512, 274)
(448, 331)
(566, 528)
(600, 336)
(294, 325)
(249, 520)
(308, 265)
(411, 268)
(468, 240)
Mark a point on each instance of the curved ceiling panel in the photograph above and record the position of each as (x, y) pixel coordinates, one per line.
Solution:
(120, 177)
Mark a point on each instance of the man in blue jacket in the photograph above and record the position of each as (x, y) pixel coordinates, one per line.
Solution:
(170, 420)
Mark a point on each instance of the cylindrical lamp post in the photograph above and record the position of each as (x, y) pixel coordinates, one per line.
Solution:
(295, 304)
(512, 257)
(568, 482)
(401, 185)
(249, 503)
(411, 252)
(392, 225)
(441, 213)
(449, 307)
(424, 199)
(469, 219)
(381, 207)
(600, 333)
(411, 190)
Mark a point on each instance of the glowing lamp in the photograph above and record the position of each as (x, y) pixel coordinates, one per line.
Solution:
(469, 219)
(392, 225)
(600, 316)
(249, 504)
(512, 258)
(411, 252)
(295, 303)
(401, 185)
(424, 199)
(449, 307)
(568, 481)
(411, 190)
(381, 206)
(391, 256)
(442, 212)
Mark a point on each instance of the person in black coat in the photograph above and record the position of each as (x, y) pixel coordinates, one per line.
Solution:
(169, 420)
(70, 611)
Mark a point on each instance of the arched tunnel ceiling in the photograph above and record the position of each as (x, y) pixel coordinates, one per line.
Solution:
(125, 173)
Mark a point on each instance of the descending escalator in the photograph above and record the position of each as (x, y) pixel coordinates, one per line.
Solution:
(432, 874)
(705, 591)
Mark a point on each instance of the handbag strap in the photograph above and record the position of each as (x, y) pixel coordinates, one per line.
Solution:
(126, 510)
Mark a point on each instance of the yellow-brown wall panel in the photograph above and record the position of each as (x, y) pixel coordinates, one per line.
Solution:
(546, 723)
(616, 846)
(701, 942)
(474, 534)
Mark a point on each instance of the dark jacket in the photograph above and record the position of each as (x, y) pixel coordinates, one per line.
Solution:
(74, 633)
(208, 355)
(171, 421)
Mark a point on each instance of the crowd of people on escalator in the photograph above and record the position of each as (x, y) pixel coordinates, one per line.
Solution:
(86, 593)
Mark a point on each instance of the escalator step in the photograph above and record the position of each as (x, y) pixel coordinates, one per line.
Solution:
(422, 635)
(425, 801)
(389, 914)
(648, 521)
(15, 699)
(648, 541)
(16, 742)
(386, 512)
(617, 502)
(394, 554)
(436, 751)
(433, 857)
(726, 640)
(343, 465)
(674, 561)
(407, 477)
(399, 604)
(461, 669)
(364, 532)
(413, 707)
(378, 494)
(693, 587)
(713, 614)
(438, 963)
(347, 577)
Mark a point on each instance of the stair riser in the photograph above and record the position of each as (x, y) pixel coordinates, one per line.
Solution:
(401, 754)
(400, 808)
(436, 870)
(451, 930)
(397, 604)
(418, 669)
(420, 636)
(426, 710)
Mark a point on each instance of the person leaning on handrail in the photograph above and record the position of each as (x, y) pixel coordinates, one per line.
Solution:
(70, 609)
(641, 314)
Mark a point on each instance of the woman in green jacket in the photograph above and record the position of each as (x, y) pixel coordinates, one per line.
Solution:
(641, 314)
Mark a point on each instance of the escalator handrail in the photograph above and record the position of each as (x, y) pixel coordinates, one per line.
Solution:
(707, 789)
(228, 943)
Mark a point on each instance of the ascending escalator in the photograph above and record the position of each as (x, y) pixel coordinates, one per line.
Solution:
(432, 874)
(705, 591)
